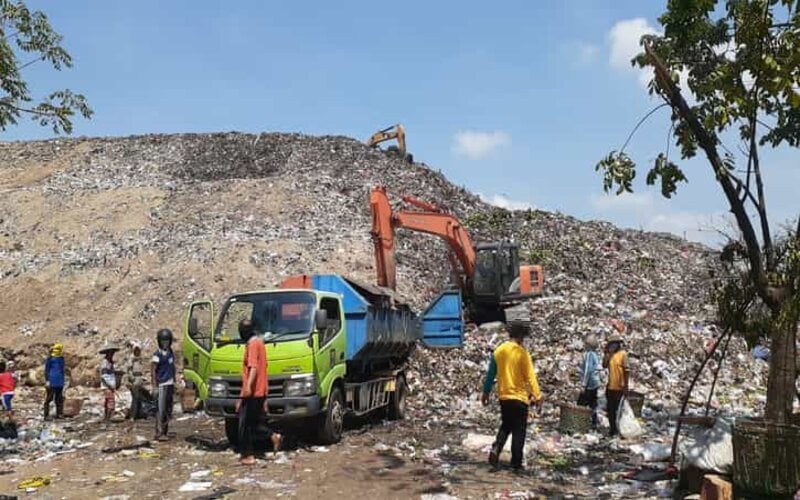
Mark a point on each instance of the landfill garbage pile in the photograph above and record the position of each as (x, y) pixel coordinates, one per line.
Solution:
(110, 238)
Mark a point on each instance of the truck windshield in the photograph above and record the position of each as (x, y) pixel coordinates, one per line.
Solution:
(275, 315)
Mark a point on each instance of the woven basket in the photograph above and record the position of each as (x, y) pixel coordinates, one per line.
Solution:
(188, 399)
(766, 458)
(574, 419)
(636, 400)
(72, 407)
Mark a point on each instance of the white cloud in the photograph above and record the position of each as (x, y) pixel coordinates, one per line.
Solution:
(478, 145)
(624, 40)
(647, 211)
(625, 202)
(503, 201)
(693, 226)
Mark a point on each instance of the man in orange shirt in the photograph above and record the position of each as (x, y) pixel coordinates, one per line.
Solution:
(253, 403)
(616, 360)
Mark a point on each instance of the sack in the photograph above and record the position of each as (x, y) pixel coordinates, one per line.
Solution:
(110, 380)
(626, 421)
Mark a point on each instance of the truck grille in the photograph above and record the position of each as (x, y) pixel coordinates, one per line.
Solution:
(274, 390)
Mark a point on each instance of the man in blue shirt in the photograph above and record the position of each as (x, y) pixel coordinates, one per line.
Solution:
(590, 376)
(54, 380)
(162, 374)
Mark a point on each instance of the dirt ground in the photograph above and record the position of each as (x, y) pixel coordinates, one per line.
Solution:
(385, 460)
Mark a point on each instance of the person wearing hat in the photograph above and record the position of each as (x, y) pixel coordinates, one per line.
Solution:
(616, 360)
(54, 380)
(108, 380)
(517, 388)
(162, 375)
(135, 375)
(590, 376)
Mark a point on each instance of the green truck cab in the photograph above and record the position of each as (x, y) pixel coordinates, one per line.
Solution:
(334, 346)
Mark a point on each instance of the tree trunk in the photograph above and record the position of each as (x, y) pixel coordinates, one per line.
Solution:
(782, 373)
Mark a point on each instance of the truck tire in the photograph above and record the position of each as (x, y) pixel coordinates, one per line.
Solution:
(232, 431)
(397, 400)
(332, 421)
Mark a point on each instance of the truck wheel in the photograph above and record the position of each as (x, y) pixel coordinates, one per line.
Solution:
(397, 401)
(232, 431)
(330, 428)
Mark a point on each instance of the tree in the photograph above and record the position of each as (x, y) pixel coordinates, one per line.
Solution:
(25, 33)
(740, 62)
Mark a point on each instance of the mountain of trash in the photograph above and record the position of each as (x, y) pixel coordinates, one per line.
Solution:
(111, 238)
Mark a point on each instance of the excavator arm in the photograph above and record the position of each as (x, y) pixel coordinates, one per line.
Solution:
(430, 220)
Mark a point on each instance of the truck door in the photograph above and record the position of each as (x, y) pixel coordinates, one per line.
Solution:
(197, 342)
(329, 352)
(442, 321)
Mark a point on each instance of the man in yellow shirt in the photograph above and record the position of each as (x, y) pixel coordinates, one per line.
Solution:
(616, 360)
(517, 387)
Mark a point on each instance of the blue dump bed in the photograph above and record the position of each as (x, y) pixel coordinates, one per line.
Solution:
(379, 325)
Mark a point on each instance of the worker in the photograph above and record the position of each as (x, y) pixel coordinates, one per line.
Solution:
(253, 397)
(54, 380)
(590, 376)
(8, 383)
(616, 360)
(162, 375)
(108, 380)
(517, 388)
(135, 378)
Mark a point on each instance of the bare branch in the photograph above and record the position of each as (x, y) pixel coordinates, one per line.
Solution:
(708, 142)
(640, 123)
(761, 207)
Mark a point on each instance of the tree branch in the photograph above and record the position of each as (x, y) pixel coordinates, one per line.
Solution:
(639, 124)
(761, 207)
(27, 110)
(707, 141)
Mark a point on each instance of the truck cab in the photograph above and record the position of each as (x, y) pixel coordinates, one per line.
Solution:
(304, 333)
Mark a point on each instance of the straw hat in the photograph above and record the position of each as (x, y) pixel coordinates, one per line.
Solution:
(108, 348)
(615, 338)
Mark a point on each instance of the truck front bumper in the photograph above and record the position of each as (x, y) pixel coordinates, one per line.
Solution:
(279, 408)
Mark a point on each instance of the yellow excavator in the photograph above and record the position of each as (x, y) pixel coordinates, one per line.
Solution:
(394, 132)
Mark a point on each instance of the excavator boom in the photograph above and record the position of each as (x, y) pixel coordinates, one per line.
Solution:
(436, 223)
(489, 276)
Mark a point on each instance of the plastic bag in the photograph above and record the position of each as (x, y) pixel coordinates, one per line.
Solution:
(626, 421)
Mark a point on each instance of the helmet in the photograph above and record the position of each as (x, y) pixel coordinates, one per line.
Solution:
(246, 329)
(56, 350)
(164, 338)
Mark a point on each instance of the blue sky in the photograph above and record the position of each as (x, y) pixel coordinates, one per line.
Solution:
(516, 100)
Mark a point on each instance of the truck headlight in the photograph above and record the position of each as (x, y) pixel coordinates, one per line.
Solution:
(218, 389)
(304, 386)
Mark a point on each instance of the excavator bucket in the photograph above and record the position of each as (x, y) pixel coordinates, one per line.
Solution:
(442, 321)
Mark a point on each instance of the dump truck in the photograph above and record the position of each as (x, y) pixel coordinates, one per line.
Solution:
(334, 347)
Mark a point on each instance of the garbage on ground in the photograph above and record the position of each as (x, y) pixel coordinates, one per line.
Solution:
(652, 452)
(194, 486)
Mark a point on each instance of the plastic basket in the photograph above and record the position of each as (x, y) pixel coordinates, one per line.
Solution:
(766, 458)
(72, 407)
(636, 400)
(188, 400)
(574, 419)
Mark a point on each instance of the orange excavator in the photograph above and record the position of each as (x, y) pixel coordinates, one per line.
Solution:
(488, 275)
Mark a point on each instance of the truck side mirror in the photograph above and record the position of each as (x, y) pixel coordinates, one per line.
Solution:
(321, 320)
(193, 327)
